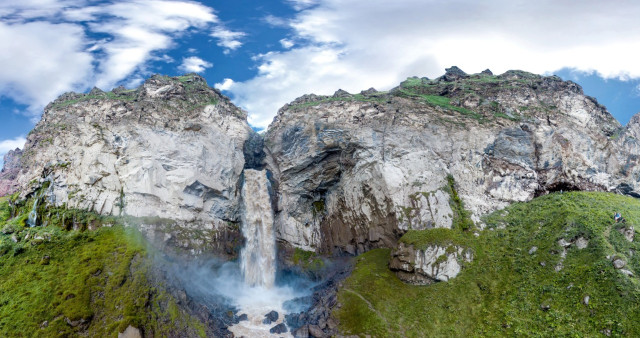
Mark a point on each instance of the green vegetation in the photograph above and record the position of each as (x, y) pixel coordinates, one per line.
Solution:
(307, 260)
(461, 216)
(128, 95)
(56, 282)
(506, 291)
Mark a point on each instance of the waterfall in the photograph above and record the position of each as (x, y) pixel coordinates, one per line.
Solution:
(33, 215)
(258, 257)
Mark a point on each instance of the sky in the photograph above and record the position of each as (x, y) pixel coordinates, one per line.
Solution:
(266, 53)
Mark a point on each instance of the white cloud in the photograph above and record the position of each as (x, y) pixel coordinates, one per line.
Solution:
(286, 43)
(225, 85)
(46, 50)
(230, 40)
(194, 64)
(40, 60)
(276, 21)
(355, 45)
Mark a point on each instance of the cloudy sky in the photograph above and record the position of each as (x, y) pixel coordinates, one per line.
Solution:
(266, 53)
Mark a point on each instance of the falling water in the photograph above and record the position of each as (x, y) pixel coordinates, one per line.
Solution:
(258, 257)
(33, 215)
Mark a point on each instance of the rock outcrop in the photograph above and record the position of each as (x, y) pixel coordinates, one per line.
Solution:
(354, 172)
(168, 154)
(9, 173)
(433, 263)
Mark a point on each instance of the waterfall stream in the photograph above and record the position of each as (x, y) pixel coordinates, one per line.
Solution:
(258, 257)
(259, 295)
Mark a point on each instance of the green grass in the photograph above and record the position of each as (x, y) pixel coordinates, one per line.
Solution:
(501, 292)
(99, 276)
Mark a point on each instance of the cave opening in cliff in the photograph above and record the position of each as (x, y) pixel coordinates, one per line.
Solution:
(557, 187)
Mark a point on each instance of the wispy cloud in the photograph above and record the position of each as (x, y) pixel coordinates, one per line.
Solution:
(228, 39)
(194, 64)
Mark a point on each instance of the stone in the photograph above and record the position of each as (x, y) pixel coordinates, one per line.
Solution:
(628, 233)
(45, 260)
(244, 317)
(270, 317)
(302, 332)
(619, 263)
(585, 300)
(280, 328)
(130, 332)
(315, 331)
(581, 243)
(545, 307)
(533, 250)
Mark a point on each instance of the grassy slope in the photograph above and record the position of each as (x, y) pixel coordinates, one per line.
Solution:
(99, 276)
(502, 290)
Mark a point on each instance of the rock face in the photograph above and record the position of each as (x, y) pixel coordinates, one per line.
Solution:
(9, 173)
(354, 172)
(433, 263)
(169, 154)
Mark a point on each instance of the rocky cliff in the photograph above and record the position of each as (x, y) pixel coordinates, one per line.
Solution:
(350, 172)
(355, 171)
(169, 154)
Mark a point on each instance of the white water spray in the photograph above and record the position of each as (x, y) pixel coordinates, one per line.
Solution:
(258, 257)
(33, 215)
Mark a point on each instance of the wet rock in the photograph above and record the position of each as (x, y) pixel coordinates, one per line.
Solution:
(315, 331)
(245, 317)
(280, 328)
(270, 317)
(130, 332)
(302, 332)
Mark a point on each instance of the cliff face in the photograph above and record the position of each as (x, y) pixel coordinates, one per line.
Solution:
(349, 172)
(169, 153)
(9, 173)
(356, 171)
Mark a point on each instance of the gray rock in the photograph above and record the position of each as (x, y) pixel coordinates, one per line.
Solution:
(533, 250)
(585, 300)
(619, 263)
(315, 331)
(302, 332)
(130, 332)
(435, 263)
(280, 328)
(628, 233)
(270, 317)
(581, 243)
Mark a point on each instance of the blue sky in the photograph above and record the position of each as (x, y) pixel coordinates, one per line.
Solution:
(264, 54)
